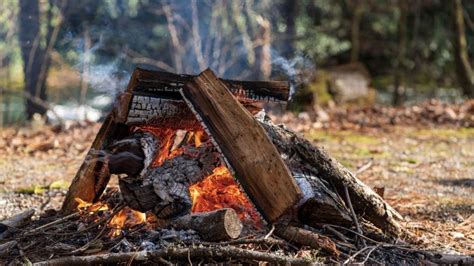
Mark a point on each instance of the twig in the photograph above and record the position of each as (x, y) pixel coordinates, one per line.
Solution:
(270, 233)
(354, 216)
(364, 167)
(228, 252)
(368, 254)
(351, 258)
(58, 221)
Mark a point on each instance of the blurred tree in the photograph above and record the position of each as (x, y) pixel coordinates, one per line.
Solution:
(399, 84)
(36, 52)
(464, 71)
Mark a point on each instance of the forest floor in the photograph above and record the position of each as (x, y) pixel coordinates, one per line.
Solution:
(425, 170)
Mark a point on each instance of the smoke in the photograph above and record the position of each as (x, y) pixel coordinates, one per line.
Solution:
(299, 69)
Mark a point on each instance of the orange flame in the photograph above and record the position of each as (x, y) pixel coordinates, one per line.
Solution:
(125, 218)
(219, 190)
(89, 206)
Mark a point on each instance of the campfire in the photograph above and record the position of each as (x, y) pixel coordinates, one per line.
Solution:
(204, 175)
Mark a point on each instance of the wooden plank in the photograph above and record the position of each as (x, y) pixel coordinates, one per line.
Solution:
(249, 152)
(84, 184)
(92, 177)
(157, 83)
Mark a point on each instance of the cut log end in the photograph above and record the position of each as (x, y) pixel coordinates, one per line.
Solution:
(218, 225)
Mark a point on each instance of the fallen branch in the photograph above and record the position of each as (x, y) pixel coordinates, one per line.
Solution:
(10, 225)
(307, 238)
(227, 252)
(5, 248)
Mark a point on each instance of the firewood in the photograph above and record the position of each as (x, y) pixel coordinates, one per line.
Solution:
(165, 190)
(11, 225)
(148, 82)
(320, 205)
(226, 252)
(93, 175)
(7, 247)
(219, 225)
(306, 238)
(92, 178)
(243, 142)
(302, 155)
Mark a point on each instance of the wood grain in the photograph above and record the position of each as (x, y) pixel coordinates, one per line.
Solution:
(249, 152)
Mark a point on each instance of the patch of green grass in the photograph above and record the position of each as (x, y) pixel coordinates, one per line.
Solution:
(443, 133)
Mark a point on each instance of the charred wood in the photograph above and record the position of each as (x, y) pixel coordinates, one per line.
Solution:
(164, 84)
(165, 189)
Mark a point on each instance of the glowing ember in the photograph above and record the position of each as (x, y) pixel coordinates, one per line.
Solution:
(219, 190)
(125, 218)
(90, 207)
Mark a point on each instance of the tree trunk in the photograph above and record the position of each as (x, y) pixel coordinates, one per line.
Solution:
(399, 84)
(32, 54)
(358, 11)
(290, 12)
(464, 69)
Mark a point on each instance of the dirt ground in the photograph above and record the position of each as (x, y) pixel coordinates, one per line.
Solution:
(426, 172)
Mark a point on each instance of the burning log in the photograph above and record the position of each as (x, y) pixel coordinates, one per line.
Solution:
(165, 189)
(260, 153)
(218, 225)
(244, 144)
(137, 106)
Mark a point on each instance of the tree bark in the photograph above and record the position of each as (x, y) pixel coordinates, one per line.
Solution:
(32, 54)
(307, 238)
(218, 225)
(399, 84)
(301, 155)
(357, 13)
(464, 69)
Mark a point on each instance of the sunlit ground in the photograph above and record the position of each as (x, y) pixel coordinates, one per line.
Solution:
(426, 173)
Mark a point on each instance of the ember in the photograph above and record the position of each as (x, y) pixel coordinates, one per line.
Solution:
(219, 190)
(126, 218)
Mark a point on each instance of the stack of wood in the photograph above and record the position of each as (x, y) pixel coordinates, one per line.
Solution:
(292, 183)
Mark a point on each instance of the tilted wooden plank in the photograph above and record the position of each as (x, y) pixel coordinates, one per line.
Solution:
(256, 163)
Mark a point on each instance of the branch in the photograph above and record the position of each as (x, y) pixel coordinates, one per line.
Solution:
(226, 252)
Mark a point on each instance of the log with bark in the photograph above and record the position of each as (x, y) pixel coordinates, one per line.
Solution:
(219, 225)
(300, 154)
(306, 238)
